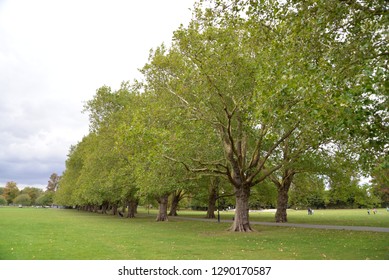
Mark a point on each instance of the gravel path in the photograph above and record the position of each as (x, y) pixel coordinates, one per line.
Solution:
(354, 228)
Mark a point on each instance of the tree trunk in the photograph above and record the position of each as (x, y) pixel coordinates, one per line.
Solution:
(212, 197)
(162, 213)
(283, 196)
(241, 219)
(114, 209)
(104, 208)
(282, 204)
(176, 199)
(132, 205)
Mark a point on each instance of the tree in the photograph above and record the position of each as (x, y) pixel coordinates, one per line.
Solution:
(53, 183)
(237, 69)
(22, 199)
(45, 199)
(3, 201)
(308, 190)
(263, 196)
(380, 181)
(33, 193)
(11, 191)
(65, 194)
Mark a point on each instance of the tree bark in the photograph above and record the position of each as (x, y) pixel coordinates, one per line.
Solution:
(283, 196)
(282, 204)
(104, 208)
(163, 205)
(241, 219)
(212, 197)
(176, 197)
(132, 206)
(114, 209)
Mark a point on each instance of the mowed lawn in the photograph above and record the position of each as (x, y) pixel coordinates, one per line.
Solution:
(55, 234)
(344, 217)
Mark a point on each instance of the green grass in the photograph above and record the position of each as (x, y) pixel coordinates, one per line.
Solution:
(30, 233)
(345, 217)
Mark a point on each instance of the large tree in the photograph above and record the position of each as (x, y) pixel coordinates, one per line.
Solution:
(11, 191)
(52, 184)
(259, 74)
(32, 192)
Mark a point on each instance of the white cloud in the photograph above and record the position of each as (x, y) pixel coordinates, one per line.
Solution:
(53, 57)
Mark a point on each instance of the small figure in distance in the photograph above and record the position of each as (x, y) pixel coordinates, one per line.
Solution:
(309, 211)
(368, 211)
(374, 211)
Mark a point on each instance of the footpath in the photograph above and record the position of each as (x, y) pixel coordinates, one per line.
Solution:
(274, 224)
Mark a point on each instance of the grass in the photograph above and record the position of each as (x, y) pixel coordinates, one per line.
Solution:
(345, 217)
(29, 233)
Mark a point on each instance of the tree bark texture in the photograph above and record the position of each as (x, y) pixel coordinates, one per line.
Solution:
(163, 205)
(211, 205)
(241, 219)
(283, 197)
(176, 197)
(212, 197)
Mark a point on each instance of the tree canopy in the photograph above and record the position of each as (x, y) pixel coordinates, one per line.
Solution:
(250, 91)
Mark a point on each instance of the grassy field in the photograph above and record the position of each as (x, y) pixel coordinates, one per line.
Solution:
(30, 233)
(345, 217)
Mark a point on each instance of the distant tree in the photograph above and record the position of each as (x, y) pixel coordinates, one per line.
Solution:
(11, 191)
(263, 196)
(53, 183)
(3, 201)
(308, 190)
(45, 198)
(34, 193)
(1, 190)
(23, 199)
(347, 193)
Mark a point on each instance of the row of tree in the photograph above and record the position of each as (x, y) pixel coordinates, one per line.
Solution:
(10, 194)
(250, 93)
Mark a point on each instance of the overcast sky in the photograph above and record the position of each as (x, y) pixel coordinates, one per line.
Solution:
(54, 54)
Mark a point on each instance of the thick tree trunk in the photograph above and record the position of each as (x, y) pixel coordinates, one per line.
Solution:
(282, 204)
(163, 205)
(212, 197)
(283, 196)
(132, 205)
(241, 219)
(104, 208)
(176, 197)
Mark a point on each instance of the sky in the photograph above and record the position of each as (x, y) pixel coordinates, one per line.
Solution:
(54, 55)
